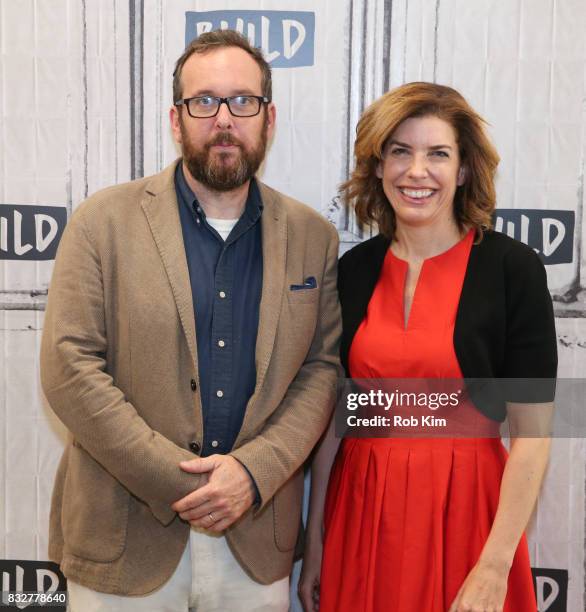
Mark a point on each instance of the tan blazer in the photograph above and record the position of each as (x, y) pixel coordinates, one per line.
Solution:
(117, 362)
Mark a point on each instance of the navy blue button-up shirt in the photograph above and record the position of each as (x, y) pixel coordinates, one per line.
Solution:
(226, 284)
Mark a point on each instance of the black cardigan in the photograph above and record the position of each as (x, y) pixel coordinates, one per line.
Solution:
(505, 326)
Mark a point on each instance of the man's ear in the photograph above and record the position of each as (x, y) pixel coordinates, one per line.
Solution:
(271, 119)
(462, 175)
(174, 119)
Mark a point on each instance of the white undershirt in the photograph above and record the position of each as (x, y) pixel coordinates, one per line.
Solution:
(222, 226)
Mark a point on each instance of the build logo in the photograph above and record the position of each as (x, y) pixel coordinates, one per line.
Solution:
(32, 576)
(30, 232)
(286, 38)
(551, 589)
(549, 232)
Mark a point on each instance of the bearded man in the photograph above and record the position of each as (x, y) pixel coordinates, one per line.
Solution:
(190, 346)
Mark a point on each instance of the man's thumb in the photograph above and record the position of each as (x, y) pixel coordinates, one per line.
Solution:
(198, 466)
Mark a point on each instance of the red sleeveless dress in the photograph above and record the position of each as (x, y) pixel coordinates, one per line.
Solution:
(406, 518)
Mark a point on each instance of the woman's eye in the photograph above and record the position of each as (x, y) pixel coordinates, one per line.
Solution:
(399, 151)
(440, 153)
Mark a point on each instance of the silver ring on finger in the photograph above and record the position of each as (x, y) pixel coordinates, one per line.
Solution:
(212, 519)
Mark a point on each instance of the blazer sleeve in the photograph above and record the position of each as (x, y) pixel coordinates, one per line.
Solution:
(83, 394)
(531, 343)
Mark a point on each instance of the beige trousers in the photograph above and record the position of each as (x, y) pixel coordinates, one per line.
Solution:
(207, 579)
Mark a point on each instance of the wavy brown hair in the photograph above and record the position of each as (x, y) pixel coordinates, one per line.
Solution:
(474, 201)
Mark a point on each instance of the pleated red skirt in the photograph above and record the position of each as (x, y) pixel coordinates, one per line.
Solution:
(406, 521)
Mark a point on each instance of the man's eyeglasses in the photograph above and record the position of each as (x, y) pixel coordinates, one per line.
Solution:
(203, 107)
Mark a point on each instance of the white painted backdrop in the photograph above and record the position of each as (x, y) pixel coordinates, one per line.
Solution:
(85, 88)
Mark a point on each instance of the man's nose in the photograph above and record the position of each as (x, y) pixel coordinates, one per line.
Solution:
(224, 118)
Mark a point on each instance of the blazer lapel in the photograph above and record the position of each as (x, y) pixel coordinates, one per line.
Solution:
(274, 253)
(160, 208)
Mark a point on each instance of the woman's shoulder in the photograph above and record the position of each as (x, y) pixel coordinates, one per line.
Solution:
(498, 256)
(497, 242)
(359, 268)
(496, 246)
(368, 251)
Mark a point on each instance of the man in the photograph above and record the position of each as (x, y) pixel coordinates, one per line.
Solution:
(191, 313)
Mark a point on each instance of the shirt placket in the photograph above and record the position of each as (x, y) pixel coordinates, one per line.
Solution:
(221, 354)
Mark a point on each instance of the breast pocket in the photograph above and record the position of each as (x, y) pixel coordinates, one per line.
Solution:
(297, 324)
(302, 309)
(303, 296)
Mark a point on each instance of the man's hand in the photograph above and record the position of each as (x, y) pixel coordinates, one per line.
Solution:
(220, 502)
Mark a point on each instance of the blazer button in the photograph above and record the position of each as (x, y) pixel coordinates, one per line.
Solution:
(194, 447)
(193, 384)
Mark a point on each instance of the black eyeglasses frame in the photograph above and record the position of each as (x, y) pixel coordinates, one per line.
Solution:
(185, 102)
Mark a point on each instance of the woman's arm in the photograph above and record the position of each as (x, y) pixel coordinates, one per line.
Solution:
(312, 556)
(486, 585)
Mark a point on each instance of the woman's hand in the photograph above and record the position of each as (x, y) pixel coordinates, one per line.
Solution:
(308, 588)
(484, 590)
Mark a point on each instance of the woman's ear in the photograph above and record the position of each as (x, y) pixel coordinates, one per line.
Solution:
(462, 175)
(379, 169)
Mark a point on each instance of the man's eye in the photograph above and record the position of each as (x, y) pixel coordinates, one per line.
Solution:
(205, 101)
(242, 100)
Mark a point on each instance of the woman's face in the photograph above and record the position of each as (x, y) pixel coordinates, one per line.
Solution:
(421, 170)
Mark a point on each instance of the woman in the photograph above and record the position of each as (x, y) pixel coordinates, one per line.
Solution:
(423, 524)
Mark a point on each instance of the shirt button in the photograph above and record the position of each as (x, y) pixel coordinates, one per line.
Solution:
(193, 384)
(220, 393)
(221, 343)
(194, 447)
(215, 443)
(222, 294)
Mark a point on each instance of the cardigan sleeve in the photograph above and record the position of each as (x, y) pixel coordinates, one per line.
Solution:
(531, 344)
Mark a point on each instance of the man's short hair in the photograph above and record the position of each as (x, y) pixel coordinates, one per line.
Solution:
(219, 39)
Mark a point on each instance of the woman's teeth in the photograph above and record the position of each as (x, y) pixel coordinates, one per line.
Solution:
(417, 193)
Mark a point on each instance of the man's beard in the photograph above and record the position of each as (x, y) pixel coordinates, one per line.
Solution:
(223, 171)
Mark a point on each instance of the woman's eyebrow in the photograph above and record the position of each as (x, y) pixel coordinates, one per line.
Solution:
(407, 146)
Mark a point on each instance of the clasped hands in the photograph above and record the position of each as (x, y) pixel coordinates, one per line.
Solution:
(225, 495)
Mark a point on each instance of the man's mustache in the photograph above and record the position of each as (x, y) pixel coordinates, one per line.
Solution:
(223, 139)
